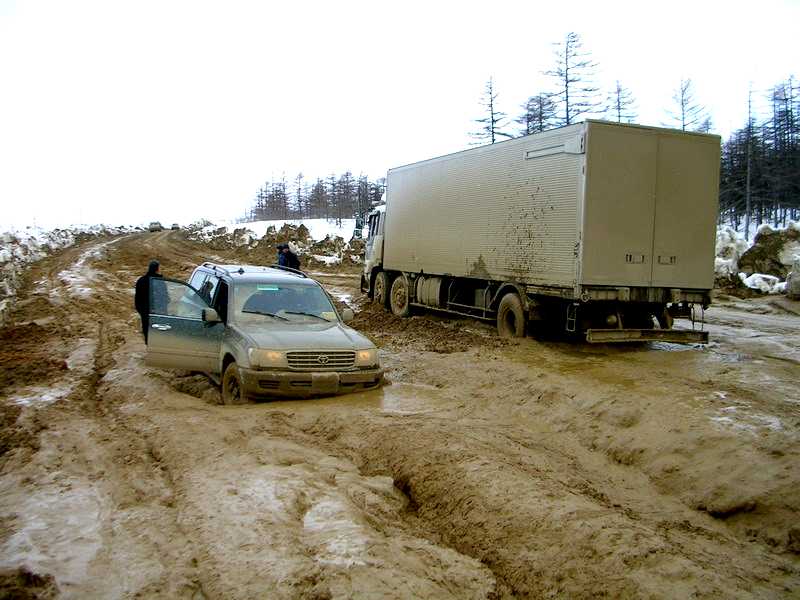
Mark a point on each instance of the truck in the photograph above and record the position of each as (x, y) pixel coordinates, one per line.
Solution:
(599, 230)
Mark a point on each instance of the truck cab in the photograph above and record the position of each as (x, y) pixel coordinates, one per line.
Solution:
(373, 250)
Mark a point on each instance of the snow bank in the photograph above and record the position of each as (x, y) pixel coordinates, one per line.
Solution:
(729, 248)
(766, 284)
(318, 240)
(318, 229)
(764, 264)
(19, 248)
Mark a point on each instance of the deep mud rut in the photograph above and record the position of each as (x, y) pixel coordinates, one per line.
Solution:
(487, 469)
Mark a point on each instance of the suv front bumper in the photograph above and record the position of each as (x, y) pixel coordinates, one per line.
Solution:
(297, 384)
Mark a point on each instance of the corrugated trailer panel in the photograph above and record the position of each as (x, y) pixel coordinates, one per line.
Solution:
(508, 211)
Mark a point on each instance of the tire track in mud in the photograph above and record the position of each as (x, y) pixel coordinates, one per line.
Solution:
(542, 533)
(107, 483)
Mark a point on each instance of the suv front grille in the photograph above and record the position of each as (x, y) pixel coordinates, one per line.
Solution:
(321, 361)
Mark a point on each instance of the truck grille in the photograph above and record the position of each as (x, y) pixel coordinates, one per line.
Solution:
(321, 361)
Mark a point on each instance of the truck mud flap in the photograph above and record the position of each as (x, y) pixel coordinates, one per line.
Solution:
(677, 336)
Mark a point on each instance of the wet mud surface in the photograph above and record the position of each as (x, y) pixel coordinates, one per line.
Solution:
(486, 469)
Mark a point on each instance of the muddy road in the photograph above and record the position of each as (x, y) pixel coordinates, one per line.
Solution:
(487, 469)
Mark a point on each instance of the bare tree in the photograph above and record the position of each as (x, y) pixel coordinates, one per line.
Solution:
(573, 73)
(687, 114)
(299, 198)
(538, 114)
(620, 104)
(491, 125)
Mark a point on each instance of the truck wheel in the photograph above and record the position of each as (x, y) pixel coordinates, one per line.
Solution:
(380, 295)
(511, 316)
(665, 319)
(399, 297)
(232, 392)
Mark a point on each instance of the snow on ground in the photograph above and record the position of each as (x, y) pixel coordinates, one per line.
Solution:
(731, 245)
(767, 284)
(20, 247)
(729, 248)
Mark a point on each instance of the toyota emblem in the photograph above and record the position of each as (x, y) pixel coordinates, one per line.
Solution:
(322, 359)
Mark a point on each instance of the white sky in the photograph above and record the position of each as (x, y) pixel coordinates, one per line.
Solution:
(128, 111)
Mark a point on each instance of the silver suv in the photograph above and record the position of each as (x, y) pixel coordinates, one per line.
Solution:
(261, 331)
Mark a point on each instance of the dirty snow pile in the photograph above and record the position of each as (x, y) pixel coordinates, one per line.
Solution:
(19, 248)
(770, 265)
(729, 248)
(320, 241)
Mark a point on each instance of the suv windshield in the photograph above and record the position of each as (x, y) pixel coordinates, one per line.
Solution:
(263, 302)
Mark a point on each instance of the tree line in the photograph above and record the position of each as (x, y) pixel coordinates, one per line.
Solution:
(335, 197)
(760, 171)
(760, 163)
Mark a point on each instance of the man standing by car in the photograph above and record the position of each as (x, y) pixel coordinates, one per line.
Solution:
(144, 285)
(290, 258)
(281, 255)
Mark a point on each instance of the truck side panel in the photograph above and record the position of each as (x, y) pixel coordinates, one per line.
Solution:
(508, 211)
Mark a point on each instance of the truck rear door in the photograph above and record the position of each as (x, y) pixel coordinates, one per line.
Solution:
(685, 211)
(619, 206)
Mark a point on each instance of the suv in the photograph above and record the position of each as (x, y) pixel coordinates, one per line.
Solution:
(155, 226)
(260, 331)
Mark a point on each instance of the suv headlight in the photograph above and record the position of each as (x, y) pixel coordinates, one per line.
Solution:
(367, 358)
(267, 358)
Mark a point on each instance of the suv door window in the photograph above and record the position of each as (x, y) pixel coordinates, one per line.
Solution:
(208, 289)
(197, 279)
(175, 299)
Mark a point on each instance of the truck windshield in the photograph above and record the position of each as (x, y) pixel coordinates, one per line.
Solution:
(278, 302)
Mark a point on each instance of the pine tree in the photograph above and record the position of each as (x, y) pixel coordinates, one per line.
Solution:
(299, 198)
(687, 115)
(573, 74)
(492, 123)
(620, 105)
(538, 114)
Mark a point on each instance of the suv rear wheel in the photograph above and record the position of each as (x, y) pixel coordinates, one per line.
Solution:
(232, 386)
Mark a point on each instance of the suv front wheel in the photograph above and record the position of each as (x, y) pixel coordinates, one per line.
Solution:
(232, 392)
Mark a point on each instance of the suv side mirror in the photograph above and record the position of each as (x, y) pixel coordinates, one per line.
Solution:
(210, 316)
(348, 315)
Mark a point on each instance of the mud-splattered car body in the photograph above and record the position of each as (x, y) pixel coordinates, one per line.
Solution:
(262, 331)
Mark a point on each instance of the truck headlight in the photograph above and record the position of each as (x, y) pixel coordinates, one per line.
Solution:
(367, 358)
(267, 358)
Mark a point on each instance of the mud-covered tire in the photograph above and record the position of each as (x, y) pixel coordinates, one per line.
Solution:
(380, 291)
(511, 317)
(399, 299)
(232, 392)
(665, 319)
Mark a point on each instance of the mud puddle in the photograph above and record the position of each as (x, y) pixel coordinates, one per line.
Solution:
(395, 398)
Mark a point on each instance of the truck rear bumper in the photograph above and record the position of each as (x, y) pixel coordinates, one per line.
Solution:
(678, 336)
(291, 384)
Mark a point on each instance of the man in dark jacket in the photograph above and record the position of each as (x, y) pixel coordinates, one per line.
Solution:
(142, 297)
(281, 255)
(290, 258)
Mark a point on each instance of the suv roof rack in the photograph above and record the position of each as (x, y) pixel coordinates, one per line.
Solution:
(216, 267)
(289, 269)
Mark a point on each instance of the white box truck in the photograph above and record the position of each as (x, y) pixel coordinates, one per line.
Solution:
(603, 229)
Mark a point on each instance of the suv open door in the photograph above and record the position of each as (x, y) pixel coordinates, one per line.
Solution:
(179, 337)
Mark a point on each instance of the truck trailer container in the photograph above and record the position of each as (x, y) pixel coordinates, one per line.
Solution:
(599, 229)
